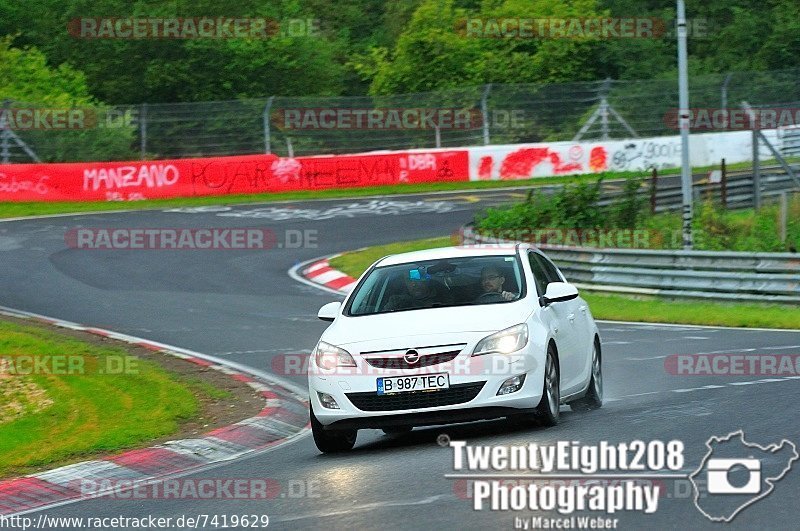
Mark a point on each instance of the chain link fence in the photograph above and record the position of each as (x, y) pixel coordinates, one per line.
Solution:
(289, 126)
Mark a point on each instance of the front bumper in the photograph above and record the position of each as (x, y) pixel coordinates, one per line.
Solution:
(359, 405)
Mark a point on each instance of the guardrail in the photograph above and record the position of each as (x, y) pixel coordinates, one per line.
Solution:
(739, 190)
(669, 194)
(729, 276)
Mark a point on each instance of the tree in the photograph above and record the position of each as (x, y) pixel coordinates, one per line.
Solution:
(436, 50)
(28, 82)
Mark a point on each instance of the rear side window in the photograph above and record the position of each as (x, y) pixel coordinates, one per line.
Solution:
(550, 270)
(539, 275)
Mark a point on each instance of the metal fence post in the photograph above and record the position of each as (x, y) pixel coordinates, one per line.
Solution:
(683, 103)
(438, 136)
(723, 185)
(267, 131)
(756, 161)
(756, 171)
(653, 191)
(143, 131)
(604, 130)
(784, 215)
(485, 113)
(723, 99)
(604, 118)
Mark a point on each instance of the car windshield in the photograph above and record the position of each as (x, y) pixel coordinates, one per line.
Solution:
(439, 283)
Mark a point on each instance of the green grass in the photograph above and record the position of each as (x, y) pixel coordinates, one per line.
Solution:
(62, 417)
(356, 262)
(652, 310)
(201, 387)
(616, 307)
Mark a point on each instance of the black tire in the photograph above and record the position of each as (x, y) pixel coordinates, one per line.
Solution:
(593, 399)
(398, 430)
(331, 441)
(548, 409)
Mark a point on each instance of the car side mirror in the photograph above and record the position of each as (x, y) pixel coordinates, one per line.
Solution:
(558, 292)
(329, 311)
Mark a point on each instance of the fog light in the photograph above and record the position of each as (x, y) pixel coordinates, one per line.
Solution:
(511, 385)
(327, 401)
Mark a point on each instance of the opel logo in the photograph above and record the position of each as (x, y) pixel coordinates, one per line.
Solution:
(411, 357)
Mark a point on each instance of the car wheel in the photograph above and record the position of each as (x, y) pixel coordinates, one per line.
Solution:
(398, 430)
(330, 441)
(548, 409)
(593, 399)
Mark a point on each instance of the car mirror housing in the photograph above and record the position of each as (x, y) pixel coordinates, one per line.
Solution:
(329, 311)
(558, 292)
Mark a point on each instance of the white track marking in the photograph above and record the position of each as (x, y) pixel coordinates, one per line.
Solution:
(365, 507)
(646, 359)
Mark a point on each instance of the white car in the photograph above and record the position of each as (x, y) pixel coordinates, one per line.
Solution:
(453, 335)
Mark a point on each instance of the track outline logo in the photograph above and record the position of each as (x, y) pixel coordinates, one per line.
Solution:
(770, 481)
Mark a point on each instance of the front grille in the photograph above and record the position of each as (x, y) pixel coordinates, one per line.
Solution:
(456, 394)
(424, 361)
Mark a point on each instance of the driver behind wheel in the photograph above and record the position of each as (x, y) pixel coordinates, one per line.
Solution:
(492, 281)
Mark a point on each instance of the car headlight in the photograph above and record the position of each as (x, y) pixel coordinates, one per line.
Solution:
(328, 356)
(503, 342)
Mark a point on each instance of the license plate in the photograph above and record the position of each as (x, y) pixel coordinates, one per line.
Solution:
(406, 384)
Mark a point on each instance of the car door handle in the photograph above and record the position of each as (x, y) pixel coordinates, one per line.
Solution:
(583, 309)
(571, 317)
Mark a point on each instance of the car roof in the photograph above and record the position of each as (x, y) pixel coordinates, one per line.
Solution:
(449, 252)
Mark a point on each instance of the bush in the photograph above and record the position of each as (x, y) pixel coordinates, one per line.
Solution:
(575, 206)
(627, 212)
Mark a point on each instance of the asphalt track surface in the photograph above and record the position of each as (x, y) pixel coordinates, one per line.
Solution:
(241, 305)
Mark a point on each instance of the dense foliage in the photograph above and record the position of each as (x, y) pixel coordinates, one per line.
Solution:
(574, 208)
(377, 46)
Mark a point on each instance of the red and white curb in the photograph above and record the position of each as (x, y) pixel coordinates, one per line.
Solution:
(284, 418)
(319, 273)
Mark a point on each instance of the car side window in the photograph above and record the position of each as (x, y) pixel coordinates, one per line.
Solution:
(539, 276)
(549, 269)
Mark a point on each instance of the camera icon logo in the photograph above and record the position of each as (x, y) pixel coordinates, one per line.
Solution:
(736, 473)
(719, 471)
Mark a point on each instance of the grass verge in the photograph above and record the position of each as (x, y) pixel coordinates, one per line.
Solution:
(616, 307)
(82, 399)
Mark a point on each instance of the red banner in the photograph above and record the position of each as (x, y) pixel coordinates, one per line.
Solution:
(248, 174)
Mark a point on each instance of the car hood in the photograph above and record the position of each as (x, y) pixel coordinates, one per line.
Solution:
(459, 319)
